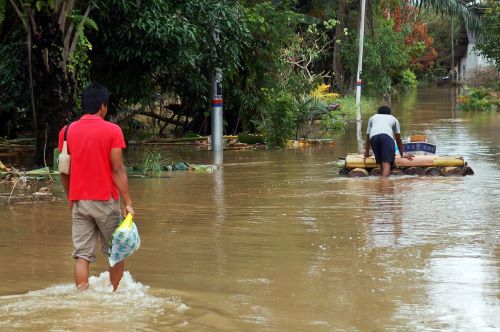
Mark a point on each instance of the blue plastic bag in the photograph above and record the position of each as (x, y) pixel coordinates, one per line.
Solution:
(124, 241)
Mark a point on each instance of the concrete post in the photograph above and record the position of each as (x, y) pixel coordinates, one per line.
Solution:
(217, 118)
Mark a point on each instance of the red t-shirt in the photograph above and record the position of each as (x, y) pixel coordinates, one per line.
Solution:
(90, 141)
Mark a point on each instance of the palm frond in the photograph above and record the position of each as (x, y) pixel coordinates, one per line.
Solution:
(457, 8)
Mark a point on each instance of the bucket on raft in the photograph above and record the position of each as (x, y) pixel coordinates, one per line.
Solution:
(356, 165)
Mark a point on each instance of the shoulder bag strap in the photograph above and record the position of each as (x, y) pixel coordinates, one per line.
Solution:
(65, 144)
(66, 132)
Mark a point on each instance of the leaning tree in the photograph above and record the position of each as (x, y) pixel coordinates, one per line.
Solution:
(54, 34)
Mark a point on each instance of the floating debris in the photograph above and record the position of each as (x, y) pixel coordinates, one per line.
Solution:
(302, 143)
(138, 171)
(247, 142)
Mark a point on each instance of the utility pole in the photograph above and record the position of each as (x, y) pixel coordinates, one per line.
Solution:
(217, 104)
(452, 51)
(360, 56)
(359, 81)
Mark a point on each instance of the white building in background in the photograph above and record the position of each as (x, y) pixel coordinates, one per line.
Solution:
(469, 59)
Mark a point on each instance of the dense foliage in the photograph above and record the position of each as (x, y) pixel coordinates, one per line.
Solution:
(385, 57)
(489, 42)
(439, 29)
(14, 97)
(158, 57)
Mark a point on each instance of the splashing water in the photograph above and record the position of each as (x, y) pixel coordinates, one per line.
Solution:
(62, 307)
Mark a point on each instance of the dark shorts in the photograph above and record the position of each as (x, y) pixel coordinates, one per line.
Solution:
(383, 147)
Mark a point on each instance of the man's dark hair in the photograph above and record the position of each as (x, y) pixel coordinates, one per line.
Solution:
(384, 110)
(93, 97)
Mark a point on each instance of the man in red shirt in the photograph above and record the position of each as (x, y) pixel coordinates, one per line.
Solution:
(95, 182)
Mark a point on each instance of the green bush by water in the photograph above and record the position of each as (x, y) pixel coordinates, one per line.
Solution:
(408, 80)
(279, 117)
(250, 138)
(479, 99)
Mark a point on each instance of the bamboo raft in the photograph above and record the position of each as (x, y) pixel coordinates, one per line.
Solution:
(356, 165)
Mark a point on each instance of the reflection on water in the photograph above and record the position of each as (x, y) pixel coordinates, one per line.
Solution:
(278, 241)
(385, 227)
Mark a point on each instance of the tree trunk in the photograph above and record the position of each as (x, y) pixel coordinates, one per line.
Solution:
(54, 99)
(338, 67)
(370, 15)
(52, 41)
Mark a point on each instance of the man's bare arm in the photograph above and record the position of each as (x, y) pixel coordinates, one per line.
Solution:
(120, 178)
(65, 183)
(367, 146)
(399, 142)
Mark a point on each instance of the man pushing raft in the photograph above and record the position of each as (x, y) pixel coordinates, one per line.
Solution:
(383, 134)
(382, 130)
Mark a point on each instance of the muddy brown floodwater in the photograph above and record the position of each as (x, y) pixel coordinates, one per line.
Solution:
(278, 241)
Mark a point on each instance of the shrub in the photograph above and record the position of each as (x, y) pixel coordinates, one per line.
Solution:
(250, 138)
(279, 116)
(408, 80)
(310, 108)
(479, 99)
(321, 92)
(486, 77)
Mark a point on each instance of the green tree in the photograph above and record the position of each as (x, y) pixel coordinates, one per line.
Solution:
(165, 48)
(462, 9)
(385, 57)
(438, 28)
(271, 28)
(53, 30)
(14, 96)
(347, 14)
(488, 43)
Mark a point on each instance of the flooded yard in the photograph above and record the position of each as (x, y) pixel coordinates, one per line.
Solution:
(278, 241)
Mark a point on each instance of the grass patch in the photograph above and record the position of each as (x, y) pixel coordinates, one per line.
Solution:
(338, 119)
(152, 164)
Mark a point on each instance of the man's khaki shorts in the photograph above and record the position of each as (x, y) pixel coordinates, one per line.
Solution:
(93, 219)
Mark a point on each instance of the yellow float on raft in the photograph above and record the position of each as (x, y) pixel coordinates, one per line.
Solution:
(359, 161)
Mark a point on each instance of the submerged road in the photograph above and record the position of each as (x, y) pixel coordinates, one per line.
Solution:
(278, 241)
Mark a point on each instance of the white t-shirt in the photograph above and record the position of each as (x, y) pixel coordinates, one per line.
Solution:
(383, 124)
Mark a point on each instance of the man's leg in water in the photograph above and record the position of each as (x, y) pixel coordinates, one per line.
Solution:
(116, 274)
(385, 169)
(82, 273)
